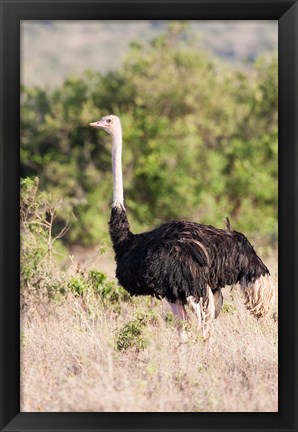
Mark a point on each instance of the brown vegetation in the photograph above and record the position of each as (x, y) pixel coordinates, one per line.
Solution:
(70, 360)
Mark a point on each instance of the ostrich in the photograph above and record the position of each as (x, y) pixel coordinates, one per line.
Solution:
(183, 262)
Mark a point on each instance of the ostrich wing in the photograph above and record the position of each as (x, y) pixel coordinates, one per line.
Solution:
(175, 268)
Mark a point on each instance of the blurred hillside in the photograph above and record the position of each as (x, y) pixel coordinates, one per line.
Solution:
(51, 50)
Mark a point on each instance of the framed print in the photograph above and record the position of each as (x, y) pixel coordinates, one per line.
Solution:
(205, 98)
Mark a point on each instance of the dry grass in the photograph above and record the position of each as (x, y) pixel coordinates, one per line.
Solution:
(69, 361)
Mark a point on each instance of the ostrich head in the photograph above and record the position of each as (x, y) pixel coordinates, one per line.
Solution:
(109, 123)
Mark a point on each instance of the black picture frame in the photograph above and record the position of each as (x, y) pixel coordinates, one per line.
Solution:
(12, 12)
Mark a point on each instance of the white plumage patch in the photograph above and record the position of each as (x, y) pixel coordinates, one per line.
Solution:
(259, 296)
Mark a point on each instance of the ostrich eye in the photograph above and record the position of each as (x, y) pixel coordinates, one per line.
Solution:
(109, 120)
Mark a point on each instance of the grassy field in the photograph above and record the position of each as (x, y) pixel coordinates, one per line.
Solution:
(73, 357)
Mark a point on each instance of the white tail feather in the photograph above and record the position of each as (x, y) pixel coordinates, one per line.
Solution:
(259, 296)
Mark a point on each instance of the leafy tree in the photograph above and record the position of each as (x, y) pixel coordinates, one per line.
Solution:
(200, 139)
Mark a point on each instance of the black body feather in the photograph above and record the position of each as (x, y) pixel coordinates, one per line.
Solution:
(180, 259)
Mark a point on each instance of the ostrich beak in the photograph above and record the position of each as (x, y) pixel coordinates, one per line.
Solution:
(96, 124)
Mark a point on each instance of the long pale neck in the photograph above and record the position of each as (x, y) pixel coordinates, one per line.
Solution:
(117, 169)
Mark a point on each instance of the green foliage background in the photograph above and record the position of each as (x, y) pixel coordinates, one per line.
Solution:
(200, 141)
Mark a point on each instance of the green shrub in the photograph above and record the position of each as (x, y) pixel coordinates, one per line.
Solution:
(108, 291)
(42, 279)
(228, 308)
(39, 240)
(135, 333)
(77, 285)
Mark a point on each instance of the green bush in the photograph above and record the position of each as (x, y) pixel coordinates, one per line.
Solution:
(109, 292)
(42, 279)
(228, 308)
(77, 285)
(39, 243)
(135, 333)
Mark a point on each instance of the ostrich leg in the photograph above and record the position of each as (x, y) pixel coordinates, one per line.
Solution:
(218, 301)
(179, 311)
(205, 311)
